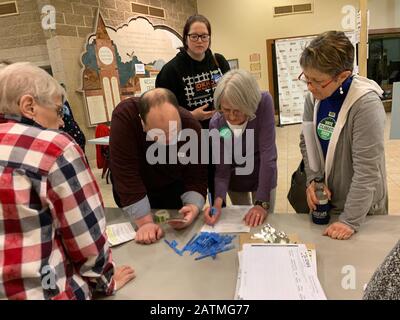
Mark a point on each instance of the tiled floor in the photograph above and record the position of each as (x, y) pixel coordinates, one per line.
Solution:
(287, 140)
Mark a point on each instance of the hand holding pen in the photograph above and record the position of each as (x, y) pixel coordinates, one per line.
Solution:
(213, 210)
(212, 213)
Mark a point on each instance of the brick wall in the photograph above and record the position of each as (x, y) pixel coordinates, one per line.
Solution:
(23, 29)
(75, 18)
(23, 39)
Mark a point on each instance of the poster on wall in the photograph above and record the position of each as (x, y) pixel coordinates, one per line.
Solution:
(123, 62)
(292, 91)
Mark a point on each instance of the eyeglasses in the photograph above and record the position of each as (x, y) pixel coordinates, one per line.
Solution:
(227, 112)
(316, 84)
(59, 108)
(60, 111)
(195, 37)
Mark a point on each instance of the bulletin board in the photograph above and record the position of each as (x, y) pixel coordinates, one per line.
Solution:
(289, 93)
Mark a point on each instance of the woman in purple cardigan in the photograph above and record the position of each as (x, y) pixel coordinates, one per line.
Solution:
(245, 127)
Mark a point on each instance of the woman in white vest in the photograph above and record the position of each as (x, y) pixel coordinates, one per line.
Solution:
(342, 140)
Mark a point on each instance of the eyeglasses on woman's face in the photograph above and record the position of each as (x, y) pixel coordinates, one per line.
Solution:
(322, 84)
(195, 37)
(231, 112)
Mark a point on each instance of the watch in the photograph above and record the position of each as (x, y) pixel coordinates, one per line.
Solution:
(264, 204)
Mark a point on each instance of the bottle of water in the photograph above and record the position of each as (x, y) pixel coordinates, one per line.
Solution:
(321, 214)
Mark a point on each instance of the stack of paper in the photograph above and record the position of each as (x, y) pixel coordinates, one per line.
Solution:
(277, 272)
(120, 233)
(230, 221)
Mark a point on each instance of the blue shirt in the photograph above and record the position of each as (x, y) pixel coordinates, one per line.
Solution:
(328, 113)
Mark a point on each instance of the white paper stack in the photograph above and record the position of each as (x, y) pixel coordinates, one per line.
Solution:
(277, 272)
(120, 233)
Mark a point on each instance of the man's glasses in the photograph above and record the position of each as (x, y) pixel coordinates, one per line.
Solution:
(316, 84)
(195, 37)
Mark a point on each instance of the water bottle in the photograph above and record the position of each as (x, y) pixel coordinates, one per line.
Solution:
(321, 214)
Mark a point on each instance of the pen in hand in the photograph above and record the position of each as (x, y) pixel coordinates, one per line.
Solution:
(213, 210)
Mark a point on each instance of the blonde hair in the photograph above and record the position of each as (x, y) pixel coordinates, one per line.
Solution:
(240, 89)
(23, 78)
(330, 53)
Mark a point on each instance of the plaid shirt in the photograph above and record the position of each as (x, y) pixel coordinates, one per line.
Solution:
(52, 226)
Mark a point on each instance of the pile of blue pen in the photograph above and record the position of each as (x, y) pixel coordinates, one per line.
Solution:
(207, 244)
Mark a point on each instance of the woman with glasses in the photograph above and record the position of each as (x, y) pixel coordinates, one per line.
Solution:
(245, 124)
(193, 74)
(53, 243)
(195, 71)
(342, 140)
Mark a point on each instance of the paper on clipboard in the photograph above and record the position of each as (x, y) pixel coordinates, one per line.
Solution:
(276, 271)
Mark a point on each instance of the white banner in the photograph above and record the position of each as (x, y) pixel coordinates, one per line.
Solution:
(292, 91)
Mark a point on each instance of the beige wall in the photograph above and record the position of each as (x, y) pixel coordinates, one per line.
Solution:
(384, 14)
(247, 25)
(23, 39)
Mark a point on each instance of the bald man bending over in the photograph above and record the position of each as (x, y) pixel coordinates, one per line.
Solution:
(144, 133)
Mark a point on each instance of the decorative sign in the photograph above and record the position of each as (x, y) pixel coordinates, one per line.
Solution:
(147, 84)
(255, 65)
(106, 56)
(139, 68)
(255, 57)
(291, 90)
(122, 63)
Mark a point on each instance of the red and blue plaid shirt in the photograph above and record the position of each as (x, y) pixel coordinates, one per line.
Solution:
(53, 243)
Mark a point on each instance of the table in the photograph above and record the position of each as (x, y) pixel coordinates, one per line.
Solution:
(162, 274)
(105, 141)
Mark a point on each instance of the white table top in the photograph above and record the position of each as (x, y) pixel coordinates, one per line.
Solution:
(162, 274)
(101, 141)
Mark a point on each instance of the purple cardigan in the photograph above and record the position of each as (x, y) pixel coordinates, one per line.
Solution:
(264, 176)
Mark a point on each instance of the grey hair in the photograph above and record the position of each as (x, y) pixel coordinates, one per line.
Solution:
(23, 78)
(241, 90)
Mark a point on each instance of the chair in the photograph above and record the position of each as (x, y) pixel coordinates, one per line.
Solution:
(103, 152)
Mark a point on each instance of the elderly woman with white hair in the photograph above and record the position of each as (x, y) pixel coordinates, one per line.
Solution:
(244, 113)
(53, 243)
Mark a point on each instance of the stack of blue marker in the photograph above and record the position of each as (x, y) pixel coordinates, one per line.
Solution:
(207, 244)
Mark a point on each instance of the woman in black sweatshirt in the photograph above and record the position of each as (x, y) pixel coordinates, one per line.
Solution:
(195, 71)
(193, 74)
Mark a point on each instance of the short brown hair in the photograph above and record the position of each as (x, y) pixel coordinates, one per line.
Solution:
(188, 24)
(330, 52)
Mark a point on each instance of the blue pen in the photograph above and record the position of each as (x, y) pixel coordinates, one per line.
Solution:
(213, 210)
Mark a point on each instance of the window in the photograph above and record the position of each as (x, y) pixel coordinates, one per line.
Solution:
(384, 61)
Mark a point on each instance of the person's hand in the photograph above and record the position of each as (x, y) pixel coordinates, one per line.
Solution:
(339, 230)
(212, 220)
(218, 210)
(189, 212)
(148, 232)
(123, 275)
(255, 216)
(312, 200)
(200, 114)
